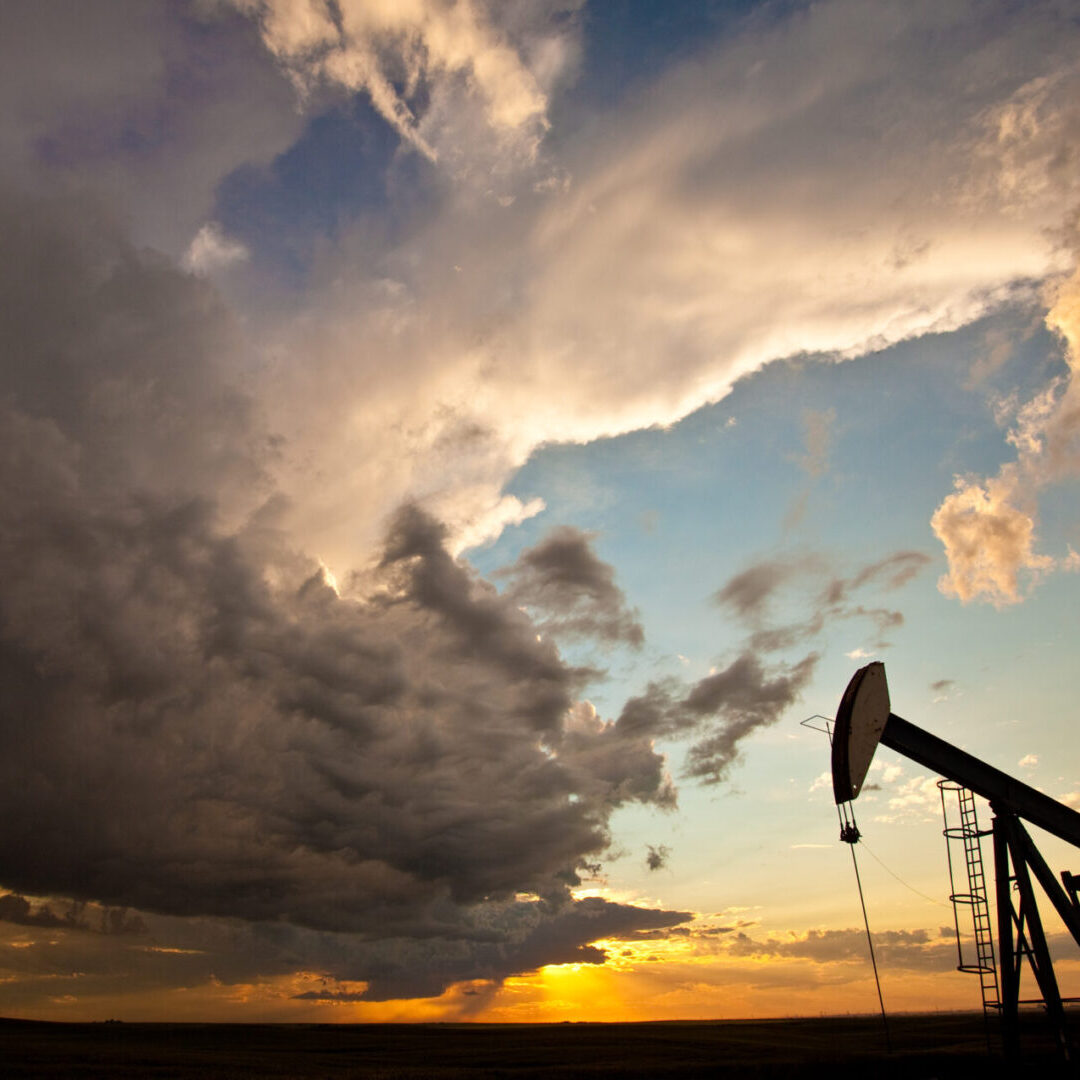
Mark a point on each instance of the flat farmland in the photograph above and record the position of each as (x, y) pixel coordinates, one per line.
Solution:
(942, 1045)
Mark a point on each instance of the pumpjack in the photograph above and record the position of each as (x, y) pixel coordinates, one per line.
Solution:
(863, 720)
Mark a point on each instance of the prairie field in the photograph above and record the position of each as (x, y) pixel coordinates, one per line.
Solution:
(922, 1046)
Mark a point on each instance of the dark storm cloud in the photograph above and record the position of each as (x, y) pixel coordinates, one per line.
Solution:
(519, 936)
(573, 590)
(743, 698)
(214, 748)
(721, 710)
(194, 723)
(93, 918)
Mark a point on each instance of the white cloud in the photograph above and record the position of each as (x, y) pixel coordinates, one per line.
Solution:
(916, 799)
(211, 250)
(885, 773)
(754, 205)
(1029, 761)
(464, 84)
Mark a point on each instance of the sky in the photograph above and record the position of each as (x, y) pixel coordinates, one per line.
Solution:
(447, 449)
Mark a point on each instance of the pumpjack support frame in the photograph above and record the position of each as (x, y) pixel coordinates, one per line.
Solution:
(865, 719)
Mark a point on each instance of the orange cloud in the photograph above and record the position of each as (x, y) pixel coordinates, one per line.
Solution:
(988, 540)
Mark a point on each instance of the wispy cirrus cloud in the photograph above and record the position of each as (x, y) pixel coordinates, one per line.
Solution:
(750, 594)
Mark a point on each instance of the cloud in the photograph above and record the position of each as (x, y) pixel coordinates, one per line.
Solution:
(751, 592)
(145, 102)
(910, 950)
(890, 572)
(748, 592)
(988, 526)
(212, 250)
(466, 85)
(657, 857)
(721, 710)
(988, 539)
(437, 357)
(818, 438)
(814, 461)
(19, 910)
(916, 798)
(196, 724)
(511, 937)
(573, 592)
(1028, 761)
(942, 689)
(744, 698)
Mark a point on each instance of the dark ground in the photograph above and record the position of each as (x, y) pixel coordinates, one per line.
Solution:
(941, 1045)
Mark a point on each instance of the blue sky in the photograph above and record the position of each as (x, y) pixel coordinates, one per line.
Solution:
(452, 445)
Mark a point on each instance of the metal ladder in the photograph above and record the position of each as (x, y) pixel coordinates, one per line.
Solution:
(968, 833)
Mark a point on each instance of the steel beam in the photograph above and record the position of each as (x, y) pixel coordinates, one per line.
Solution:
(992, 784)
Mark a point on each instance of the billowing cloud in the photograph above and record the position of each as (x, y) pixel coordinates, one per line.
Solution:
(683, 254)
(988, 526)
(165, 953)
(572, 590)
(196, 722)
(989, 540)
